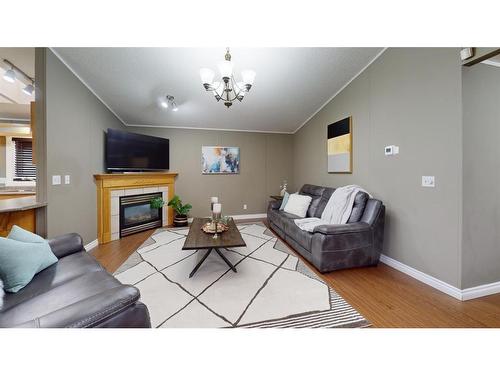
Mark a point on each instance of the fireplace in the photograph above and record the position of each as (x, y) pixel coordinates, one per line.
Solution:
(136, 214)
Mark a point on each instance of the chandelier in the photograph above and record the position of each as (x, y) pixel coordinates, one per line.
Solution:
(227, 90)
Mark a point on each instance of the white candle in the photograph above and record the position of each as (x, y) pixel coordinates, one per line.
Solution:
(214, 200)
(217, 208)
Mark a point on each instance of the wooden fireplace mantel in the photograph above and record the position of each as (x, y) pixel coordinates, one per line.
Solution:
(112, 183)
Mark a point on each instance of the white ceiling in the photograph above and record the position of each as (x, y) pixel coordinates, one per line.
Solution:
(14, 104)
(290, 86)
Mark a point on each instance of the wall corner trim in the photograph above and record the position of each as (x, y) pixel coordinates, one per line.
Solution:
(91, 245)
(460, 294)
(423, 277)
(341, 89)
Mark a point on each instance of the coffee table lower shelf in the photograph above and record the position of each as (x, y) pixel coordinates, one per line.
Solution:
(206, 256)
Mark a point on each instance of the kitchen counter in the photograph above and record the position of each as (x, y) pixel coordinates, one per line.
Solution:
(19, 211)
(20, 204)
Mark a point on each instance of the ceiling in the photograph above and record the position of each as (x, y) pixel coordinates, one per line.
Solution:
(290, 86)
(14, 104)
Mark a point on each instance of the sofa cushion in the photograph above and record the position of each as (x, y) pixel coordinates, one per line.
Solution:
(327, 193)
(312, 190)
(298, 204)
(302, 237)
(359, 207)
(66, 269)
(57, 298)
(313, 206)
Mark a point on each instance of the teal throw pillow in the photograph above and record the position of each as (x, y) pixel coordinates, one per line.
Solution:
(23, 235)
(284, 201)
(21, 261)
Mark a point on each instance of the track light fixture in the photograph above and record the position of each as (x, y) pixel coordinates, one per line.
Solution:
(10, 75)
(29, 89)
(168, 101)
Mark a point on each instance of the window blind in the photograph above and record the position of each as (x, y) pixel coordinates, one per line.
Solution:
(23, 159)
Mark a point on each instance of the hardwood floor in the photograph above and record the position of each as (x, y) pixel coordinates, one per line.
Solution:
(385, 296)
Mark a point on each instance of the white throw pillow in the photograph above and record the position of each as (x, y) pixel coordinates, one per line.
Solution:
(298, 204)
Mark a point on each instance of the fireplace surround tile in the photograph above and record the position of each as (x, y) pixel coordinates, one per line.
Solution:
(134, 191)
(115, 205)
(115, 223)
(153, 189)
(118, 193)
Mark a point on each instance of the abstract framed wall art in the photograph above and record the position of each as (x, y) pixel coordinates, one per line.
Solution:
(340, 146)
(220, 160)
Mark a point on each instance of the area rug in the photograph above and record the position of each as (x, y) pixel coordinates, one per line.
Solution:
(273, 288)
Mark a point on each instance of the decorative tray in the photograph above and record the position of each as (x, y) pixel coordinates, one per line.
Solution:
(210, 227)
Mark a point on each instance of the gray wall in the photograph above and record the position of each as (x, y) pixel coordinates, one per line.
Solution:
(75, 124)
(3, 163)
(408, 97)
(481, 182)
(266, 160)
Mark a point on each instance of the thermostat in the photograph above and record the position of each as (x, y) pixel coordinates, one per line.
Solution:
(391, 150)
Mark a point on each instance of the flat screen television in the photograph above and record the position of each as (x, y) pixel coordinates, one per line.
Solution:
(130, 152)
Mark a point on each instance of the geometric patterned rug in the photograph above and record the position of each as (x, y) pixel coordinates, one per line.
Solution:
(272, 288)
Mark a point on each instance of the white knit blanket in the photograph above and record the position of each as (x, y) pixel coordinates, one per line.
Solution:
(337, 210)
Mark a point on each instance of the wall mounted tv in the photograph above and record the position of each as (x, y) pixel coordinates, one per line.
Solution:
(130, 152)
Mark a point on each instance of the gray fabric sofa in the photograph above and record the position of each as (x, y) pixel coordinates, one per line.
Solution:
(332, 247)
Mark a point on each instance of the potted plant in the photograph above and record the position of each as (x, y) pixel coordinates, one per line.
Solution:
(181, 210)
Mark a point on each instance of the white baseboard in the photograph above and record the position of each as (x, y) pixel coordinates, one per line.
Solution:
(249, 216)
(480, 291)
(423, 277)
(241, 217)
(91, 245)
(460, 294)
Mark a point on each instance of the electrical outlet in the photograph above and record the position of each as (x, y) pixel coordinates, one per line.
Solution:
(244, 206)
(428, 181)
(56, 180)
(67, 179)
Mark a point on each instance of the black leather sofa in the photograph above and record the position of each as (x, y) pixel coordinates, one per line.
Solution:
(333, 247)
(74, 292)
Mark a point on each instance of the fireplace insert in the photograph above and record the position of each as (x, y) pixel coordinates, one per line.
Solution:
(136, 214)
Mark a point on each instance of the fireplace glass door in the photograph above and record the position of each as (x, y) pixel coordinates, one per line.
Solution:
(136, 214)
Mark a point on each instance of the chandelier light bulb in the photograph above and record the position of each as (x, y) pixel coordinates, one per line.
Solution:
(248, 76)
(10, 76)
(226, 69)
(207, 76)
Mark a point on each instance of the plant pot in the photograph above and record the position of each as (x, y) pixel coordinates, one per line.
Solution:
(180, 220)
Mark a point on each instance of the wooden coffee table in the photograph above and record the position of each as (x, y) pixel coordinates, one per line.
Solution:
(199, 240)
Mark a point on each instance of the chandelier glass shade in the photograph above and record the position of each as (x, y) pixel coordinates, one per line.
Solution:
(227, 89)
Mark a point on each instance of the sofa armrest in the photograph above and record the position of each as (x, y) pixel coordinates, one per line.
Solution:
(342, 228)
(89, 312)
(274, 205)
(66, 244)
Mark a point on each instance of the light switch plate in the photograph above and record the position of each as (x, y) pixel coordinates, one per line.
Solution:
(428, 181)
(56, 180)
(67, 179)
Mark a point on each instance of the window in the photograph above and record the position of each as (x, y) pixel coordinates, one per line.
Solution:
(24, 169)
